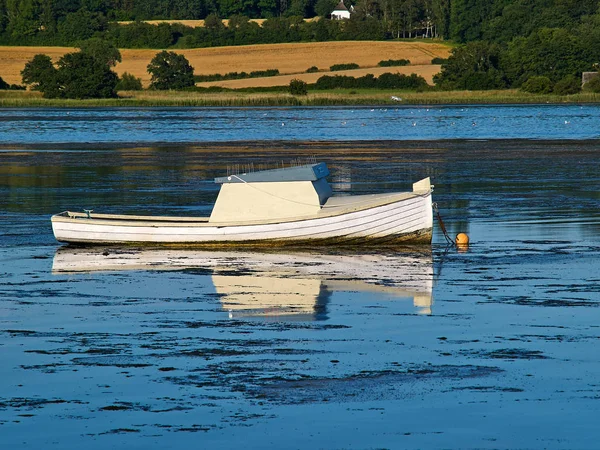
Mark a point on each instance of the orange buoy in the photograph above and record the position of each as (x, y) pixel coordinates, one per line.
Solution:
(462, 240)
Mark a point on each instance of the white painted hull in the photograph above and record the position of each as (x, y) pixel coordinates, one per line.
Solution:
(388, 219)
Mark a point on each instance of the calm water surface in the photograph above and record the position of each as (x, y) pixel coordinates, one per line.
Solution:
(168, 125)
(493, 347)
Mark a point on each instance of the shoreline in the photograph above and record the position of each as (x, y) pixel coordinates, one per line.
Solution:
(324, 147)
(345, 97)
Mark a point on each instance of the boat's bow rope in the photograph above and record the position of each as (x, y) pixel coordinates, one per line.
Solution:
(441, 222)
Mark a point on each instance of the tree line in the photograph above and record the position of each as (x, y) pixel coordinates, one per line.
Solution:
(62, 22)
(504, 43)
(88, 73)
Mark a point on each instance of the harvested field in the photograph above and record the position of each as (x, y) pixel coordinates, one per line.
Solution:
(189, 23)
(287, 58)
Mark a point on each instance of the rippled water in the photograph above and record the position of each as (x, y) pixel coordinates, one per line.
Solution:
(155, 125)
(492, 347)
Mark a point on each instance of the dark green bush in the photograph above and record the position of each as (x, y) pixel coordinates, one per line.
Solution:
(236, 75)
(437, 60)
(348, 66)
(567, 86)
(537, 85)
(384, 81)
(312, 69)
(298, 87)
(129, 82)
(394, 63)
(12, 87)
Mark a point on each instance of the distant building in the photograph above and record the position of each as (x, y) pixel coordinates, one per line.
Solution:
(586, 77)
(340, 12)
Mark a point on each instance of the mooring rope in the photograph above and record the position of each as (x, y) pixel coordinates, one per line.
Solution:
(441, 222)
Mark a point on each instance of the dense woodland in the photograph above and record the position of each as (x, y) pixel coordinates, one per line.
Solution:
(500, 21)
(505, 42)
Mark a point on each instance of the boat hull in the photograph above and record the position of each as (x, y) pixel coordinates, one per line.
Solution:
(405, 221)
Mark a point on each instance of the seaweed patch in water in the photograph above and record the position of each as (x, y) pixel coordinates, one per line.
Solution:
(33, 403)
(121, 430)
(508, 353)
(364, 386)
(114, 361)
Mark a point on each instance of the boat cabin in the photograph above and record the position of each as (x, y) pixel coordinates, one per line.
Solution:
(278, 194)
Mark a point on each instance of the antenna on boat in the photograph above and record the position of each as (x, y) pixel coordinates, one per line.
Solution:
(235, 169)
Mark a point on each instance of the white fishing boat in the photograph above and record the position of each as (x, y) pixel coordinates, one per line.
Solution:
(278, 207)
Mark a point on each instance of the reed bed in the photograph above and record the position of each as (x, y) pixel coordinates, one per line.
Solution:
(26, 99)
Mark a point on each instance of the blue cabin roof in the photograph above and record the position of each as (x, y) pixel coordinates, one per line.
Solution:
(309, 172)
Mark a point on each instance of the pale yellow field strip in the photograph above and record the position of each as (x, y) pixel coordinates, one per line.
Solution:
(292, 58)
(426, 71)
(187, 23)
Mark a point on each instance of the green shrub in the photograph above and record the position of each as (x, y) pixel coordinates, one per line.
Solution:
(567, 86)
(384, 81)
(298, 87)
(236, 75)
(129, 82)
(437, 60)
(537, 85)
(593, 85)
(393, 63)
(312, 69)
(348, 66)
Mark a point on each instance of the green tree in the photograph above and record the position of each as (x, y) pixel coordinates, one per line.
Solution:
(324, 7)
(102, 50)
(3, 16)
(82, 76)
(467, 18)
(169, 70)
(22, 17)
(81, 25)
(440, 15)
(550, 52)
(41, 74)
(474, 66)
(77, 75)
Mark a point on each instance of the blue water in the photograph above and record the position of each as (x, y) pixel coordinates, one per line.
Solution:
(492, 346)
(188, 125)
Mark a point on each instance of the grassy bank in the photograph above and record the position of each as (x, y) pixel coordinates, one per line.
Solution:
(27, 99)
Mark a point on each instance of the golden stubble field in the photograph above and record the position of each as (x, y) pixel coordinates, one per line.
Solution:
(289, 59)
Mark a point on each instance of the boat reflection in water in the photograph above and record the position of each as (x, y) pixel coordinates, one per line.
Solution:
(281, 286)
